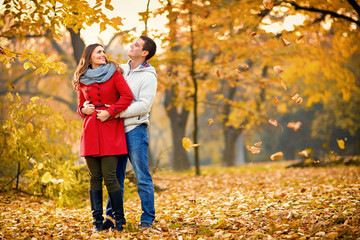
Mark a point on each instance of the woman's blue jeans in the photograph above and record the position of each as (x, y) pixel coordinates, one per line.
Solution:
(137, 141)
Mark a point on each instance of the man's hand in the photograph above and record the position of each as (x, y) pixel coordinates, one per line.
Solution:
(88, 108)
(102, 115)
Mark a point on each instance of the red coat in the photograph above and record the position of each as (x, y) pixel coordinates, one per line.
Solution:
(104, 138)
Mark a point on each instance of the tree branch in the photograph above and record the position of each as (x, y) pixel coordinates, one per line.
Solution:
(71, 105)
(355, 5)
(331, 13)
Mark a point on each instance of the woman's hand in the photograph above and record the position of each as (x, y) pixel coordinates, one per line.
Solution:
(88, 108)
(102, 115)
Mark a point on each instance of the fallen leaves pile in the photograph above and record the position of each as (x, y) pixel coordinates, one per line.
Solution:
(265, 201)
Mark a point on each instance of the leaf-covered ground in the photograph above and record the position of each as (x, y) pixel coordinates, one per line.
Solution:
(250, 202)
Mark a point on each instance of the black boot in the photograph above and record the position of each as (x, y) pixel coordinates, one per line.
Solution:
(97, 209)
(116, 201)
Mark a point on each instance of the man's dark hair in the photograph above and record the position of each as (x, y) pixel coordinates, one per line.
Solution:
(149, 45)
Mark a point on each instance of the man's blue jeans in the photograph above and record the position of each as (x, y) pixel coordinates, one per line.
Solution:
(137, 141)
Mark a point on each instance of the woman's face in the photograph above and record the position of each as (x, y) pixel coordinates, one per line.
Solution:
(98, 57)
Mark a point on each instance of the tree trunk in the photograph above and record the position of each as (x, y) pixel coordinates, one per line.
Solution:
(77, 44)
(178, 120)
(193, 77)
(230, 152)
(180, 158)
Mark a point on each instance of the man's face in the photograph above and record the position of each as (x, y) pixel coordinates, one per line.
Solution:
(136, 49)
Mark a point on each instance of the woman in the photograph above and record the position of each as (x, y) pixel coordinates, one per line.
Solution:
(99, 82)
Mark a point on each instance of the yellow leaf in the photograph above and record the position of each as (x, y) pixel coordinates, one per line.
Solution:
(40, 166)
(28, 65)
(341, 143)
(30, 127)
(186, 142)
(35, 98)
(2, 57)
(45, 70)
(38, 70)
(46, 178)
(102, 26)
(108, 6)
(276, 101)
(276, 156)
(211, 121)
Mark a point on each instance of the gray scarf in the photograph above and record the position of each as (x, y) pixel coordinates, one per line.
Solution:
(98, 75)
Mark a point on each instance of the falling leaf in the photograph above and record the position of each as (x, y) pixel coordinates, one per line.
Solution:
(277, 69)
(299, 100)
(245, 67)
(268, 4)
(283, 85)
(299, 38)
(276, 156)
(273, 122)
(341, 143)
(46, 178)
(304, 154)
(186, 142)
(285, 42)
(258, 144)
(218, 72)
(211, 121)
(276, 101)
(295, 98)
(252, 149)
(253, 34)
(294, 126)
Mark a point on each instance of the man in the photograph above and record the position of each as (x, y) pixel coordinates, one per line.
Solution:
(142, 80)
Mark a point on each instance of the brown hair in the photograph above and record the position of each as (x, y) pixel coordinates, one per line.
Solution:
(85, 62)
(149, 45)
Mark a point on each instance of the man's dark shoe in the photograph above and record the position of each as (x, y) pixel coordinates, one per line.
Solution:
(108, 224)
(146, 225)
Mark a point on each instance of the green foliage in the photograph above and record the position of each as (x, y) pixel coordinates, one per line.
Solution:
(42, 142)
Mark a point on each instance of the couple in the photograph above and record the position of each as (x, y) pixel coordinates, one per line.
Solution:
(116, 117)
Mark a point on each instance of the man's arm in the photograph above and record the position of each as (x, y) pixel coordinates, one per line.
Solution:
(145, 101)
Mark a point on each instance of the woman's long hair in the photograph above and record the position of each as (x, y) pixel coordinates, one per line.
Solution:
(85, 62)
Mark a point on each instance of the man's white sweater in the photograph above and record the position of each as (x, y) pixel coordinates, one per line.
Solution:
(143, 84)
